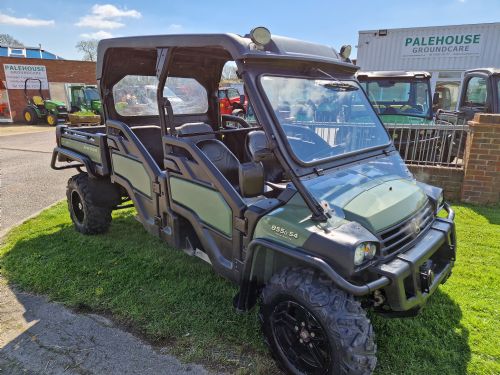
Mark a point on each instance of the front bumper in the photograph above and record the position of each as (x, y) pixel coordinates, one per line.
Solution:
(408, 290)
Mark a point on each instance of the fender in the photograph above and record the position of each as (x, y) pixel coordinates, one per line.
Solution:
(246, 298)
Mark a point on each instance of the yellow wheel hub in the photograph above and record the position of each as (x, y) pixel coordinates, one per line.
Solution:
(27, 116)
(51, 120)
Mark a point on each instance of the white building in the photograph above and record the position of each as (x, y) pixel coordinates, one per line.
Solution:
(444, 51)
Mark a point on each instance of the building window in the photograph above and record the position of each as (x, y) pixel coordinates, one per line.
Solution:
(450, 75)
(17, 52)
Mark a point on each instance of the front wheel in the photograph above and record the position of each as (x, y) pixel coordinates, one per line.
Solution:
(30, 116)
(312, 327)
(51, 119)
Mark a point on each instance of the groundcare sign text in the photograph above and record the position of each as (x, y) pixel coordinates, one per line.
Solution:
(16, 75)
(442, 45)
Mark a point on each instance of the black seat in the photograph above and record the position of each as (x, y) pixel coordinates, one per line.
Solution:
(255, 141)
(224, 160)
(196, 131)
(150, 137)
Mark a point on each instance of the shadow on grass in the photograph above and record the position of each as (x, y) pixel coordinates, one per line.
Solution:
(434, 342)
(173, 298)
(490, 213)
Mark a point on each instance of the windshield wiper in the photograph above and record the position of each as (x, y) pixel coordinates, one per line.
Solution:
(339, 86)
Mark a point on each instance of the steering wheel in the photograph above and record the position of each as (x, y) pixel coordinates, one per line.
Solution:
(324, 153)
(239, 120)
(305, 141)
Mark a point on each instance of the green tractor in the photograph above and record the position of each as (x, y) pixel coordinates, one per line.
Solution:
(85, 98)
(38, 108)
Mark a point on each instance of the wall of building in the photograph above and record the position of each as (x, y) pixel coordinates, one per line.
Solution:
(58, 71)
(482, 161)
(399, 49)
(444, 51)
(449, 179)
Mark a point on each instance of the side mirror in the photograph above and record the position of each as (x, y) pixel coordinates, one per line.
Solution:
(242, 99)
(251, 179)
(435, 98)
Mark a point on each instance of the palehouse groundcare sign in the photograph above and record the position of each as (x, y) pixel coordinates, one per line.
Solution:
(16, 75)
(442, 45)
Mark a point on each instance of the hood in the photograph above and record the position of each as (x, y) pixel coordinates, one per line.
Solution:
(377, 194)
(56, 102)
(404, 119)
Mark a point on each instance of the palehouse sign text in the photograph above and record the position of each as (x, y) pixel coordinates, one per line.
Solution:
(442, 45)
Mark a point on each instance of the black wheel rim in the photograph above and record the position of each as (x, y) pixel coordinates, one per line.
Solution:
(77, 206)
(301, 338)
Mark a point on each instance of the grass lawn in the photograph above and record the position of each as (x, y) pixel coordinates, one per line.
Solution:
(177, 300)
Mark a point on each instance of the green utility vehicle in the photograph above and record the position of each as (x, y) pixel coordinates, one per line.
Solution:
(318, 221)
(399, 97)
(404, 104)
(39, 108)
(85, 98)
(480, 93)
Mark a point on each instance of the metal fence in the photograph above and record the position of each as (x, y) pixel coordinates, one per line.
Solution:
(439, 144)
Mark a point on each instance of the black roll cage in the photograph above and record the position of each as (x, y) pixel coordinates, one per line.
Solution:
(282, 56)
(26, 89)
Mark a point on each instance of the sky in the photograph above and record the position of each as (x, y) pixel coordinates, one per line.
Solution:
(58, 25)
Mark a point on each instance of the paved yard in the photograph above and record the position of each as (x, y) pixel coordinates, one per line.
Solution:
(27, 184)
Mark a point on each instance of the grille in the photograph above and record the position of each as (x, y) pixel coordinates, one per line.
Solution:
(404, 233)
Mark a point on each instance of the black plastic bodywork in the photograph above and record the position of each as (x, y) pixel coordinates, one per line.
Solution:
(493, 102)
(465, 112)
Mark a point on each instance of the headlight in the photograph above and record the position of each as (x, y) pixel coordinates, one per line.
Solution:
(365, 251)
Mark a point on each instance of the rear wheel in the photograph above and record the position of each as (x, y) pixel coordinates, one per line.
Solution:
(312, 327)
(87, 217)
(51, 119)
(30, 116)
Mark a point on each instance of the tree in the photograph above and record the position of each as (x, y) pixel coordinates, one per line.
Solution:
(9, 40)
(88, 48)
(229, 72)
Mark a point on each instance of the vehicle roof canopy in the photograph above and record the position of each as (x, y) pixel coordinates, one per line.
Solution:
(118, 57)
(489, 71)
(392, 74)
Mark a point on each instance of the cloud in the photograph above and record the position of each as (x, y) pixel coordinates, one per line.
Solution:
(111, 11)
(174, 28)
(107, 16)
(101, 34)
(98, 23)
(28, 22)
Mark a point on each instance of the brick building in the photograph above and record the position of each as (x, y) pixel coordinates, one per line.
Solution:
(58, 73)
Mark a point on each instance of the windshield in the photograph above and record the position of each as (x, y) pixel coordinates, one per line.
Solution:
(323, 118)
(92, 94)
(407, 98)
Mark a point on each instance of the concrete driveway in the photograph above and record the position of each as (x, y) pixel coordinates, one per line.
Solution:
(40, 337)
(28, 184)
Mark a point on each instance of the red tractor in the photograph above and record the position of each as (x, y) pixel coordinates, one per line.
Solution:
(231, 102)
